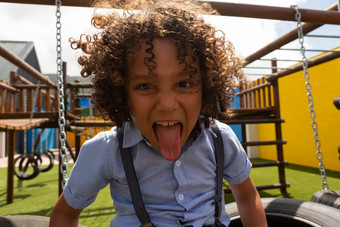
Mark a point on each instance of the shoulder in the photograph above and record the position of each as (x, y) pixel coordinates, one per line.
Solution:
(101, 148)
(231, 143)
(226, 131)
(102, 139)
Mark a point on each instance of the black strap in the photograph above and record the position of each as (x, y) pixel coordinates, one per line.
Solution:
(219, 150)
(131, 177)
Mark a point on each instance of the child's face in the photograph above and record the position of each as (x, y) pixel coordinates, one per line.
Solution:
(164, 107)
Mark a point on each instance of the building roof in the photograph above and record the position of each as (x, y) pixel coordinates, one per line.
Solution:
(22, 49)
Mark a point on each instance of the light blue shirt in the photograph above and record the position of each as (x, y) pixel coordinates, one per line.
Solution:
(174, 192)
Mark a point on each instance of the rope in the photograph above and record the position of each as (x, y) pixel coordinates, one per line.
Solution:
(317, 142)
(61, 104)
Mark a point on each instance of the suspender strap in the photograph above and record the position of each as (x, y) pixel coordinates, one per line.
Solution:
(131, 177)
(218, 142)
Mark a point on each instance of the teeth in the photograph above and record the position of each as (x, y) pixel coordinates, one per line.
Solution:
(167, 123)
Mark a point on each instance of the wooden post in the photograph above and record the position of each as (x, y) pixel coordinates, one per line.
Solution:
(77, 135)
(258, 91)
(278, 131)
(38, 104)
(3, 97)
(30, 97)
(244, 136)
(48, 100)
(264, 92)
(10, 169)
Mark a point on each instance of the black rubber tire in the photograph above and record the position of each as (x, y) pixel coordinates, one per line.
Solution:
(329, 198)
(26, 161)
(282, 212)
(50, 159)
(25, 221)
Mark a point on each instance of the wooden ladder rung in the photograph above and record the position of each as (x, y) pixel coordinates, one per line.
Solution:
(267, 164)
(253, 121)
(259, 143)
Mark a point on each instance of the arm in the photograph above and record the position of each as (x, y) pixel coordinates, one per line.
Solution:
(249, 204)
(64, 215)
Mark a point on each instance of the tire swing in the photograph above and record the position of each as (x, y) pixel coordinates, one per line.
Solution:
(26, 165)
(29, 164)
(325, 196)
(282, 212)
(47, 154)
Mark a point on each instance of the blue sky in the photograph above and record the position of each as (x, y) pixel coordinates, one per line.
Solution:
(24, 22)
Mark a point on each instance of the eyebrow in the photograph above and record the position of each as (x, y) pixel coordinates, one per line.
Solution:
(149, 77)
(141, 77)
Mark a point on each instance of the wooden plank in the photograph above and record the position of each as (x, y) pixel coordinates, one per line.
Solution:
(234, 9)
(269, 164)
(27, 115)
(249, 89)
(269, 91)
(72, 99)
(11, 102)
(264, 92)
(34, 86)
(252, 121)
(22, 124)
(55, 100)
(21, 101)
(3, 98)
(5, 85)
(93, 123)
(259, 143)
(38, 100)
(259, 105)
(48, 100)
(29, 99)
(253, 97)
(10, 167)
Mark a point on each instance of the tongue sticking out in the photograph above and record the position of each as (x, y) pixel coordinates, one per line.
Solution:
(169, 139)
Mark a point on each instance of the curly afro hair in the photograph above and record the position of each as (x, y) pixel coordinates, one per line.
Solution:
(120, 32)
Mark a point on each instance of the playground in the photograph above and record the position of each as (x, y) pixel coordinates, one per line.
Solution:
(287, 121)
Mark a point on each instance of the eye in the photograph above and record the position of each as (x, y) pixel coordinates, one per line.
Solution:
(143, 86)
(184, 84)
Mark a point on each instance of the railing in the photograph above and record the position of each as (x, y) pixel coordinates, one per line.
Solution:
(7, 97)
(22, 96)
(256, 95)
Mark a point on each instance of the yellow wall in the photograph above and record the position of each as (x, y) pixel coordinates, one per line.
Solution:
(297, 129)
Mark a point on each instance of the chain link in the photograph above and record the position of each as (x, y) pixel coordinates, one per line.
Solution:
(61, 104)
(319, 154)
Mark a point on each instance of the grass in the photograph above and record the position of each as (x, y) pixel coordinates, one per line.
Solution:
(38, 196)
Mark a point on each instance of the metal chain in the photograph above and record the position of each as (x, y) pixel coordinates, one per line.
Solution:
(61, 104)
(319, 154)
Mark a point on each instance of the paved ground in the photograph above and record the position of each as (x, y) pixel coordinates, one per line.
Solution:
(4, 161)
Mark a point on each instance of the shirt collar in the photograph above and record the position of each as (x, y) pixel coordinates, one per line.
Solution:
(132, 135)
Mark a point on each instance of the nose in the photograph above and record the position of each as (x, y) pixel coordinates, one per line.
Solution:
(167, 101)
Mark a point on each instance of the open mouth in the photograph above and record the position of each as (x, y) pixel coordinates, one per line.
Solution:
(165, 124)
(169, 134)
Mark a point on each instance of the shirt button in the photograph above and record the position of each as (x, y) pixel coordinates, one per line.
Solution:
(178, 163)
(181, 196)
